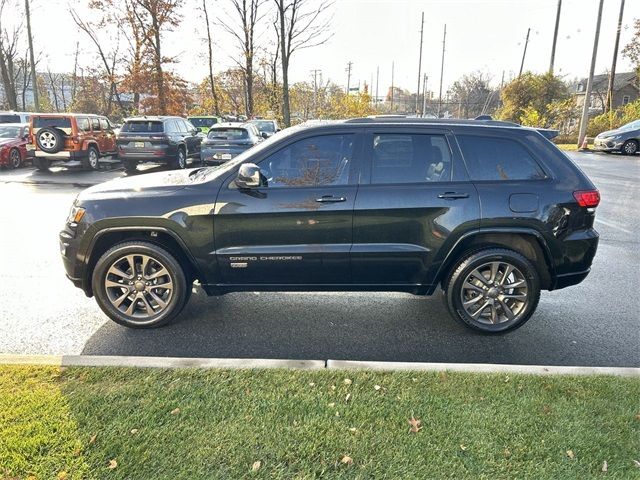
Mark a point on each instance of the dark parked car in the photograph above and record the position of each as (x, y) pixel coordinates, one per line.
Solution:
(266, 127)
(13, 144)
(625, 139)
(169, 140)
(493, 214)
(227, 140)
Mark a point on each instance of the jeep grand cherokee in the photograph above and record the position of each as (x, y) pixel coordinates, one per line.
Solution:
(491, 213)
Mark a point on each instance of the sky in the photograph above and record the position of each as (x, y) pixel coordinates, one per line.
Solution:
(482, 35)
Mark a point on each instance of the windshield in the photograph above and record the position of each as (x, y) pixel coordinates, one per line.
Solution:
(203, 121)
(631, 126)
(228, 133)
(9, 132)
(142, 126)
(264, 126)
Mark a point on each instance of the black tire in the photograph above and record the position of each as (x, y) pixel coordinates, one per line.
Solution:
(92, 160)
(15, 158)
(135, 295)
(508, 308)
(41, 164)
(630, 147)
(180, 162)
(50, 139)
(130, 166)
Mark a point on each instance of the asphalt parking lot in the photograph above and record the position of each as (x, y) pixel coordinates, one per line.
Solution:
(596, 323)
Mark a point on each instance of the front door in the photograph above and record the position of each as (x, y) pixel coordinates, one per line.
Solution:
(414, 195)
(108, 137)
(297, 228)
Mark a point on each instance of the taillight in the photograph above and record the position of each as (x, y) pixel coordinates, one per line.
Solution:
(587, 198)
(75, 139)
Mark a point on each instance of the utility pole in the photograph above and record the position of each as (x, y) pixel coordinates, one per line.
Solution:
(587, 93)
(420, 64)
(612, 75)
(377, 84)
(36, 100)
(555, 38)
(315, 91)
(348, 70)
(424, 94)
(502, 81)
(444, 39)
(524, 53)
(392, 73)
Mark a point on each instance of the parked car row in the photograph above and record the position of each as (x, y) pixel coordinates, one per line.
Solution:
(45, 138)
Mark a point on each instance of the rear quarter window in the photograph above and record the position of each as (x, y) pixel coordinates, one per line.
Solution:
(498, 159)
(59, 122)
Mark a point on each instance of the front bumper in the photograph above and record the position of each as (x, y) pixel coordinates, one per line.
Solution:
(607, 145)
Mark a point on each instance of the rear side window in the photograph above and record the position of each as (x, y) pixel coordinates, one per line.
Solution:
(498, 159)
(142, 126)
(95, 124)
(9, 118)
(83, 124)
(59, 122)
(401, 158)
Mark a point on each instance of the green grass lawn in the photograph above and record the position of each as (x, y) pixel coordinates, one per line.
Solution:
(191, 424)
(568, 147)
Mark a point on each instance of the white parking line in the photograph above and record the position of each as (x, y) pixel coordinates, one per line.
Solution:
(612, 225)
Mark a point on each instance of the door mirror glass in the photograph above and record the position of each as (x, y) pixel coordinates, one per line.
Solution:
(264, 135)
(249, 176)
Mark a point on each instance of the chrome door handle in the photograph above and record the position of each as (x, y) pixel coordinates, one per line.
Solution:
(453, 195)
(330, 199)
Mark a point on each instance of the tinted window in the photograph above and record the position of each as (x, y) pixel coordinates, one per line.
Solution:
(182, 125)
(323, 160)
(265, 125)
(142, 126)
(60, 122)
(203, 122)
(83, 124)
(9, 118)
(410, 159)
(227, 134)
(492, 158)
(190, 127)
(170, 126)
(104, 124)
(95, 124)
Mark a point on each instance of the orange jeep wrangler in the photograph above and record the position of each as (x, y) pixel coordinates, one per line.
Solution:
(68, 137)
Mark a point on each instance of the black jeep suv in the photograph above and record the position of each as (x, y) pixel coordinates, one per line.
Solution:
(169, 140)
(492, 213)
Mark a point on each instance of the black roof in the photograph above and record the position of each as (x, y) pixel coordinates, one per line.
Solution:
(151, 118)
(435, 121)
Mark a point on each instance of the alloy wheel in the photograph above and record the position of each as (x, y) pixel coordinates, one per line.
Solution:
(47, 140)
(139, 286)
(182, 162)
(93, 159)
(15, 159)
(495, 292)
(630, 148)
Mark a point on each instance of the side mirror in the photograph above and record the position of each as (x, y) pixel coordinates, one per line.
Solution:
(249, 176)
(194, 131)
(264, 135)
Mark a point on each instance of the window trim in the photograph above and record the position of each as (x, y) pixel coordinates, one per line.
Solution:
(534, 157)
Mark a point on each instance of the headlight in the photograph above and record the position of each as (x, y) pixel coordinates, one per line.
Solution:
(75, 215)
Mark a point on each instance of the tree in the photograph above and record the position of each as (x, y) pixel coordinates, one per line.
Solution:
(154, 17)
(632, 49)
(474, 95)
(8, 59)
(299, 24)
(212, 84)
(530, 91)
(244, 33)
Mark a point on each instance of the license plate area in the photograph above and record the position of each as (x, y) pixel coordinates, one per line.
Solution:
(138, 144)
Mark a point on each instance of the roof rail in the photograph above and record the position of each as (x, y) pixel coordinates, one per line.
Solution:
(447, 121)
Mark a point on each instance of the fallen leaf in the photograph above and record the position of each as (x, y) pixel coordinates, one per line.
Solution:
(112, 464)
(353, 429)
(546, 409)
(312, 384)
(506, 379)
(331, 405)
(256, 466)
(62, 475)
(414, 379)
(175, 411)
(636, 463)
(377, 387)
(637, 417)
(346, 399)
(332, 387)
(347, 460)
(507, 453)
(570, 454)
(337, 414)
(347, 381)
(442, 376)
(605, 466)
(92, 439)
(463, 447)
(415, 425)
(134, 431)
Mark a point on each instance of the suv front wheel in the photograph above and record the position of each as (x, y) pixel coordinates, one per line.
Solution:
(139, 285)
(493, 290)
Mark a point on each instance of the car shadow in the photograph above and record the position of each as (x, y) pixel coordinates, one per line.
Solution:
(354, 326)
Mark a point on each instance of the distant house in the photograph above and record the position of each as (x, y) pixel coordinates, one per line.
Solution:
(626, 88)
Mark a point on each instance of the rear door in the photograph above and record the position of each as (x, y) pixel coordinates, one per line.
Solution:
(297, 230)
(415, 198)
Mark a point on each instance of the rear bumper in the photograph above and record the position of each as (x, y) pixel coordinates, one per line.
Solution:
(64, 155)
(579, 250)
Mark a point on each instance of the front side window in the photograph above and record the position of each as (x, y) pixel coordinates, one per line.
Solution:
(410, 158)
(104, 124)
(502, 159)
(314, 161)
(95, 124)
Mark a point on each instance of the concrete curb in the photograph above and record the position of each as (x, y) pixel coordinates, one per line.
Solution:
(248, 363)
(483, 368)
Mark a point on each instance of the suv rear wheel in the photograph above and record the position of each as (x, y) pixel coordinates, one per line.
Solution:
(50, 140)
(139, 285)
(92, 161)
(180, 160)
(41, 164)
(493, 290)
(130, 166)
